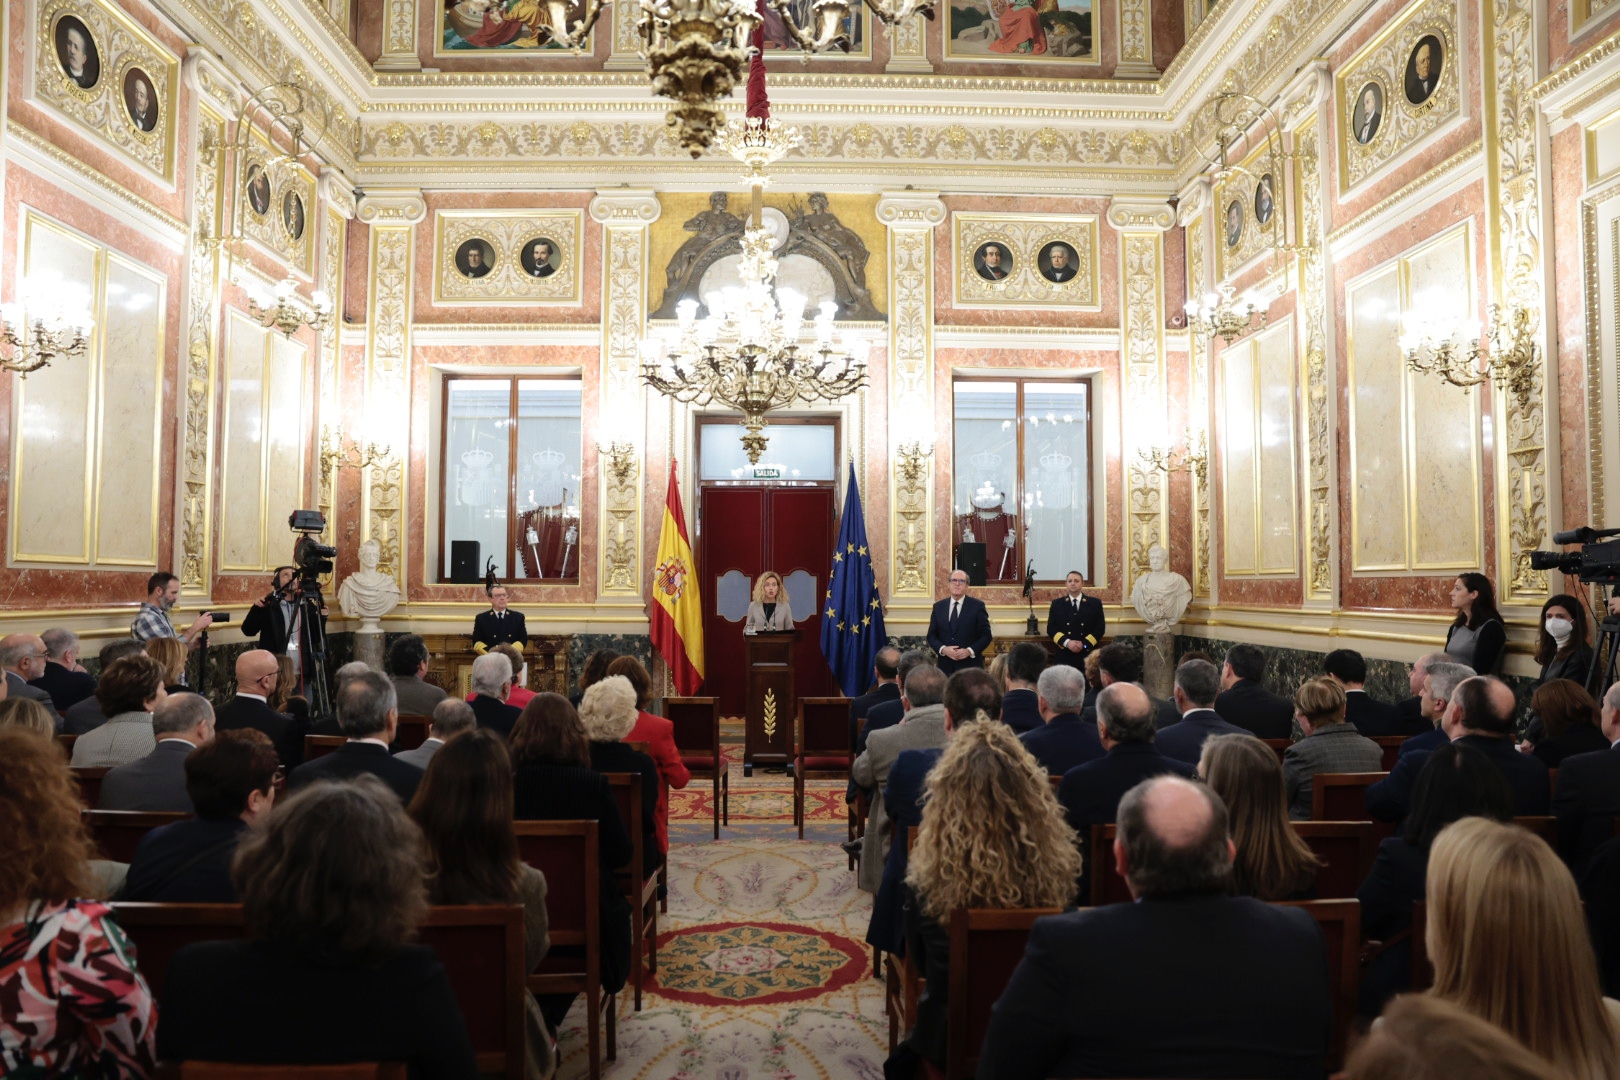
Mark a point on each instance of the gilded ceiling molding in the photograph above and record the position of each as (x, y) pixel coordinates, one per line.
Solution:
(195, 493)
(626, 217)
(1135, 36)
(393, 216)
(1575, 69)
(911, 217)
(399, 37)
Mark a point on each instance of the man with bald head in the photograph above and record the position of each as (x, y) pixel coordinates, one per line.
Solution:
(1186, 981)
(23, 657)
(257, 673)
(1480, 714)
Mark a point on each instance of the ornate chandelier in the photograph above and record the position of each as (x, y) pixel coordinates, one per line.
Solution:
(1224, 314)
(54, 320)
(285, 310)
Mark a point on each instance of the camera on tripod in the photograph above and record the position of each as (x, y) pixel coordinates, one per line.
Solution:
(1595, 564)
(311, 559)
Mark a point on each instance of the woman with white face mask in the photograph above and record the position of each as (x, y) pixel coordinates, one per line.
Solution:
(1562, 650)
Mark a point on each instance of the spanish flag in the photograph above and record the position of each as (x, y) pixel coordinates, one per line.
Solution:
(677, 613)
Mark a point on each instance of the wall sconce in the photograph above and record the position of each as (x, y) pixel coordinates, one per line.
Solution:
(54, 320)
(1455, 350)
(912, 460)
(1194, 458)
(286, 310)
(1224, 314)
(338, 452)
(621, 461)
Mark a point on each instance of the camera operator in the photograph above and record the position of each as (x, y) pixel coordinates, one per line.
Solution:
(278, 619)
(152, 621)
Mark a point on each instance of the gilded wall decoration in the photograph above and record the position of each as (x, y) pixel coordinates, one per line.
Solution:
(202, 296)
(1135, 40)
(1313, 319)
(1198, 403)
(1246, 218)
(338, 199)
(276, 204)
(1039, 260)
(507, 257)
(1400, 87)
(102, 70)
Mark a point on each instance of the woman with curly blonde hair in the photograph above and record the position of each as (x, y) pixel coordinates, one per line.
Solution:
(993, 836)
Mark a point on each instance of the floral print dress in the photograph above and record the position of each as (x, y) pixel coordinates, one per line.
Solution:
(71, 1001)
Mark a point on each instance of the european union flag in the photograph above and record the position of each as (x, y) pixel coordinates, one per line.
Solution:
(852, 617)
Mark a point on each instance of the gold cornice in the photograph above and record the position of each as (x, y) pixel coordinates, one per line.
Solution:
(1428, 178)
(1567, 74)
(1125, 119)
(43, 147)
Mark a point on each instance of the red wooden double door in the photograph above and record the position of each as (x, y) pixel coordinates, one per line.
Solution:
(748, 530)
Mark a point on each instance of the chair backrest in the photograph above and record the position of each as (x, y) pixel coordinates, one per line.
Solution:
(66, 742)
(412, 730)
(1552, 781)
(1107, 887)
(1544, 827)
(1391, 745)
(218, 1070)
(640, 747)
(481, 948)
(318, 746)
(1056, 780)
(161, 930)
(697, 723)
(1279, 746)
(118, 833)
(1341, 796)
(89, 780)
(628, 795)
(824, 725)
(986, 945)
(567, 853)
(1422, 966)
(1340, 923)
(1347, 850)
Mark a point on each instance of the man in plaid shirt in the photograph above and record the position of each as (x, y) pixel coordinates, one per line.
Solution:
(152, 621)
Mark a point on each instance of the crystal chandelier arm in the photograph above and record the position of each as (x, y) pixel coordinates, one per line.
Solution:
(827, 25)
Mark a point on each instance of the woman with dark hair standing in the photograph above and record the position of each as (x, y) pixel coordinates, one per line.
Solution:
(1272, 862)
(552, 780)
(332, 889)
(1477, 638)
(464, 807)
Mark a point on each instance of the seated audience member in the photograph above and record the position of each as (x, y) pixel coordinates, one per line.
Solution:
(1094, 686)
(367, 712)
(172, 654)
(607, 713)
(659, 735)
(967, 858)
(1020, 707)
(923, 728)
(970, 694)
(1065, 739)
(1330, 745)
(886, 687)
(231, 782)
(552, 780)
(1566, 723)
(1561, 641)
(450, 718)
(157, 782)
(407, 666)
(996, 668)
(1091, 792)
(63, 678)
(1369, 716)
(491, 684)
(520, 694)
(1421, 1037)
(1433, 699)
(1600, 886)
(73, 1003)
(1409, 711)
(464, 808)
(1480, 715)
(1509, 943)
(1272, 862)
(1121, 663)
(890, 713)
(23, 658)
(1188, 981)
(1248, 704)
(1198, 682)
(286, 699)
(595, 671)
(128, 691)
(87, 714)
(329, 725)
(332, 889)
(1587, 801)
(257, 675)
(27, 713)
(1457, 782)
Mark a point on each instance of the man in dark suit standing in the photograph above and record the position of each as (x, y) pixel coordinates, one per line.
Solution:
(23, 657)
(886, 668)
(1021, 706)
(959, 628)
(1065, 740)
(1187, 981)
(157, 782)
(1197, 683)
(1248, 704)
(498, 625)
(1370, 716)
(256, 677)
(1075, 622)
(1587, 801)
(492, 684)
(369, 714)
(1480, 715)
(63, 678)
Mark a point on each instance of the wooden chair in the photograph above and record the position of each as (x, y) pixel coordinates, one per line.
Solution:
(89, 781)
(1347, 850)
(1422, 966)
(1391, 745)
(411, 732)
(118, 833)
(1343, 797)
(217, 1070)
(1107, 887)
(158, 931)
(481, 948)
(1279, 746)
(663, 869)
(567, 852)
(697, 737)
(318, 746)
(821, 749)
(640, 887)
(902, 983)
(986, 945)
(66, 743)
(1056, 780)
(1542, 826)
(859, 813)
(1340, 923)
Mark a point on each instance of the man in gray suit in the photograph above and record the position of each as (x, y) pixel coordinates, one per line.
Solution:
(923, 727)
(450, 717)
(23, 657)
(157, 782)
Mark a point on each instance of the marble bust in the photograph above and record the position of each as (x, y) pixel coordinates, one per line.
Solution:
(368, 594)
(1160, 596)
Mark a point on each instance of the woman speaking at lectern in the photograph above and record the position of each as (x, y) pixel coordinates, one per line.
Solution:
(769, 612)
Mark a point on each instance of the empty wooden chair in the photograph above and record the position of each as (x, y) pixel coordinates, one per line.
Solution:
(697, 737)
(1340, 923)
(1347, 850)
(66, 743)
(89, 781)
(481, 948)
(821, 749)
(318, 746)
(986, 945)
(1107, 887)
(411, 732)
(640, 887)
(1343, 797)
(118, 833)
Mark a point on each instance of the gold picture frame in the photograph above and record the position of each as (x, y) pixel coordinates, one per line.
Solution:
(523, 257)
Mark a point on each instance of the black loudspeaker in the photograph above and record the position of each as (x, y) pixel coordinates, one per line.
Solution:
(464, 562)
(970, 557)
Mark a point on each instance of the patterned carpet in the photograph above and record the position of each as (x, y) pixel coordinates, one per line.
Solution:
(762, 967)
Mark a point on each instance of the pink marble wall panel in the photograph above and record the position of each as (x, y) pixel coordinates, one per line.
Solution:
(356, 272)
(1169, 32)
(1569, 329)
(346, 483)
(1561, 47)
(1179, 394)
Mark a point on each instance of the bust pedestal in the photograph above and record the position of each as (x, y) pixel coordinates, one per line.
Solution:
(368, 644)
(1159, 663)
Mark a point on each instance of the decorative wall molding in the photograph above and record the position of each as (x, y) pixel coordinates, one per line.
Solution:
(194, 495)
(1142, 225)
(106, 194)
(506, 236)
(1025, 237)
(399, 37)
(1198, 413)
(1320, 449)
(1135, 36)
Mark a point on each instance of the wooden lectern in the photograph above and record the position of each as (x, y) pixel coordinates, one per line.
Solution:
(772, 705)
